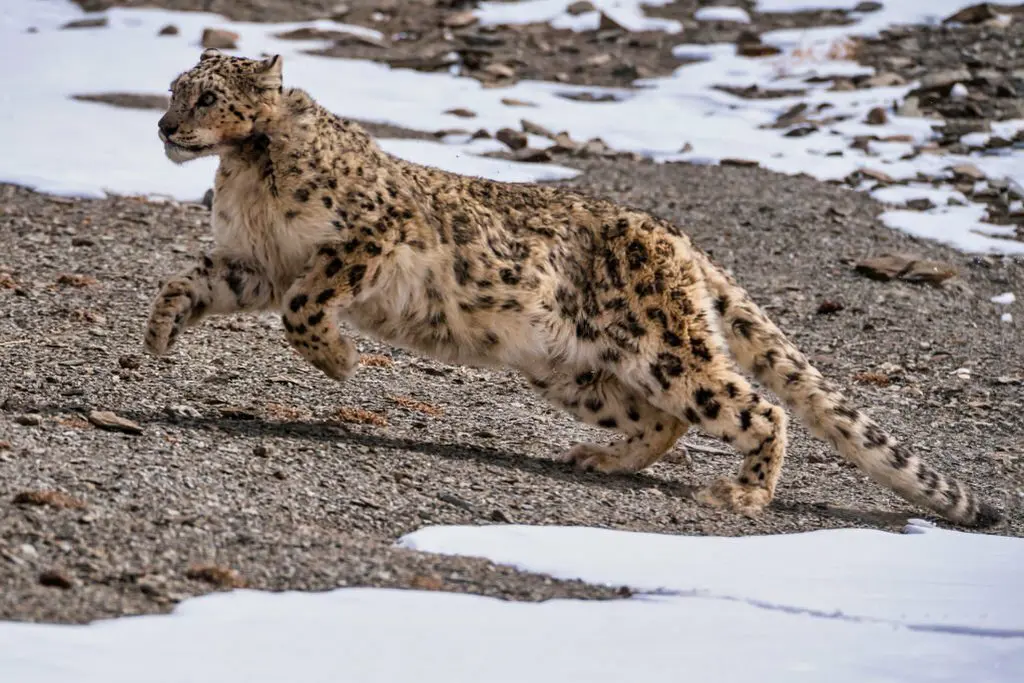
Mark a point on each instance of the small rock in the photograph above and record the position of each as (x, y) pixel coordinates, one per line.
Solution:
(48, 498)
(883, 80)
(530, 155)
(940, 80)
(455, 500)
(597, 60)
(536, 129)
(580, 7)
(828, 307)
(910, 106)
(207, 200)
(262, 451)
(513, 139)
(564, 143)
(169, 30)
(868, 6)
(223, 577)
(731, 161)
(513, 102)
(29, 420)
(975, 14)
(339, 11)
(182, 411)
(460, 19)
(609, 24)
(920, 204)
(499, 70)
(113, 422)
(97, 22)
(874, 174)
(219, 38)
(877, 117)
(891, 267)
(423, 582)
(499, 516)
(56, 578)
(755, 50)
(958, 92)
(461, 112)
(969, 171)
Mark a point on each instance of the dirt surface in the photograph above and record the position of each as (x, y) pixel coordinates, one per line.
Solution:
(241, 465)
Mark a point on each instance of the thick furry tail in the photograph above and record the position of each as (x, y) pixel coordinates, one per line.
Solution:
(763, 350)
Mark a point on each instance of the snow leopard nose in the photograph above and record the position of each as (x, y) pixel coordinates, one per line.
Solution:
(168, 128)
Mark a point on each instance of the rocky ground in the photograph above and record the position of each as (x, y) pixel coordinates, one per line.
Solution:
(128, 483)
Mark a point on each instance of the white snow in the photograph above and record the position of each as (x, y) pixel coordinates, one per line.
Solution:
(1004, 299)
(91, 148)
(848, 606)
(929, 579)
(627, 13)
(1006, 317)
(718, 13)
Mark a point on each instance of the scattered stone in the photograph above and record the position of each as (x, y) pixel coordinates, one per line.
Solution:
(76, 280)
(874, 174)
(513, 139)
(563, 143)
(373, 360)
(361, 416)
(920, 204)
(943, 80)
(461, 112)
(127, 100)
(455, 500)
(418, 406)
(55, 578)
(911, 106)
(597, 60)
(49, 498)
(182, 411)
(207, 200)
(755, 50)
(608, 24)
(828, 307)
(877, 117)
(883, 80)
(969, 171)
(958, 92)
(531, 155)
(104, 419)
(893, 267)
(868, 6)
(169, 30)
(423, 582)
(536, 129)
(730, 161)
(460, 19)
(588, 96)
(219, 38)
(499, 71)
(513, 102)
(223, 577)
(97, 22)
(29, 420)
(499, 516)
(871, 377)
(580, 7)
(975, 14)
(340, 11)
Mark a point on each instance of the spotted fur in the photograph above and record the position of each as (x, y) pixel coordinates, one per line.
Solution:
(608, 312)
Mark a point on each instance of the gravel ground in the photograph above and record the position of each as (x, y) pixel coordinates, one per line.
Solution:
(251, 468)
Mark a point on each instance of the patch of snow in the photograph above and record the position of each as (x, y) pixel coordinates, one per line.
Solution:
(958, 91)
(839, 606)
(1006, 317)
(628, 13)
(718, 13)
(901, 194)
(959, 227)
(1004, 299)
(911, 579)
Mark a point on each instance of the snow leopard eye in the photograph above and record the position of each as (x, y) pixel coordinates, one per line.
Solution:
(206, 99)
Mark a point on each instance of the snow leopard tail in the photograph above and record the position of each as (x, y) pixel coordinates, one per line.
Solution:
(763, 350)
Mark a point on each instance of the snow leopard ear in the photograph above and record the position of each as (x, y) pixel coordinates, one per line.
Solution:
(268, 73)
(209, 53)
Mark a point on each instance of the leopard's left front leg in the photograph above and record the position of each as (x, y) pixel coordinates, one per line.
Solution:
(218, 284)
(333, 279)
